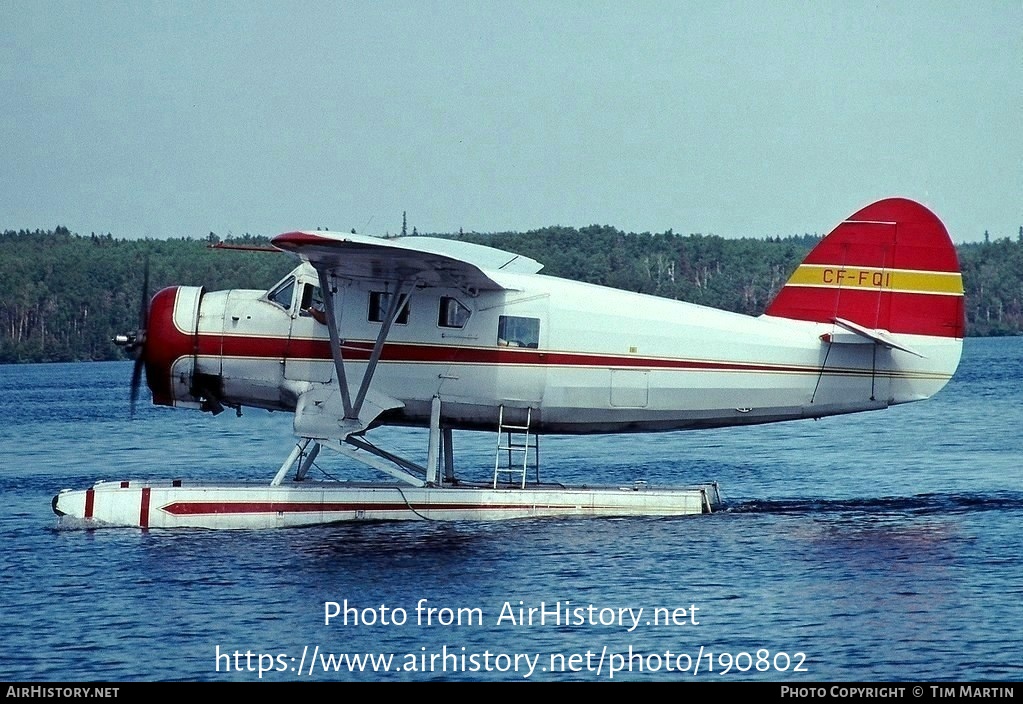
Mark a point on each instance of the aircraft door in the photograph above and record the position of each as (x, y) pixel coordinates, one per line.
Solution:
(496, 350)
(308, 357)
(522, 334)
(461, 325)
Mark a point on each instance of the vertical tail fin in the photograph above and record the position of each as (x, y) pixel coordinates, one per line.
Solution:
(890, 266)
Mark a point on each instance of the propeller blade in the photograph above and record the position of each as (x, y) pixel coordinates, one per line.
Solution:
(144, 304)
(136, 381)
(138, 345)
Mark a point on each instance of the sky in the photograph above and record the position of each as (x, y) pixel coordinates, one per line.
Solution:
(178, 118)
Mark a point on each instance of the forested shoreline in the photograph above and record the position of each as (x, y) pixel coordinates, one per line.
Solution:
(64, 296)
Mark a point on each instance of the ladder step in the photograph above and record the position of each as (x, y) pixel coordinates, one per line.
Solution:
(521, 443)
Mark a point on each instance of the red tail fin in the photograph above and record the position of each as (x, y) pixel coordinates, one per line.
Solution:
(890, 266)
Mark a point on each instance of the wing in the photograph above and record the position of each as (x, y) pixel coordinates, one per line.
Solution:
(429, 260)
(406, 262)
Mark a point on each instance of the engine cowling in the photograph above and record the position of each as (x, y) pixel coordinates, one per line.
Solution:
(171, 350)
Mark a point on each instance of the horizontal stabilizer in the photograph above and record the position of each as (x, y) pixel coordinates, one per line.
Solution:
(881, 337)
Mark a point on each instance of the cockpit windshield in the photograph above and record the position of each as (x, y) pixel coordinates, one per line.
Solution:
(283, 294)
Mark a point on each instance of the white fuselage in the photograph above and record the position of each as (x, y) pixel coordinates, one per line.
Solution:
(585, 358)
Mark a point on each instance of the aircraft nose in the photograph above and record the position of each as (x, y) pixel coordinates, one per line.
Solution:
(169, 337)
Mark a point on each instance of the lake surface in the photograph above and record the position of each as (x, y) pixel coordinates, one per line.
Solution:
(882, 546)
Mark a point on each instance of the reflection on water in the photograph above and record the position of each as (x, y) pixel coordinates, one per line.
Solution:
(884, 546)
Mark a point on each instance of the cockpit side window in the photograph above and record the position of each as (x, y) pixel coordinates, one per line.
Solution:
(516, 331)
(312, 303)
(283, 294)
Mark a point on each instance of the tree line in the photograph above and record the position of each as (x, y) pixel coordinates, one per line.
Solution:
(64, 296)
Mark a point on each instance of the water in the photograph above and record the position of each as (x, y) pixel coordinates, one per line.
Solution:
(876, 547)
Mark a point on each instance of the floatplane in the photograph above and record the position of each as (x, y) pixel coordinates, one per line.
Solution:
(442, 334)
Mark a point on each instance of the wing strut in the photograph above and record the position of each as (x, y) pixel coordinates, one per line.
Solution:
(335, 340)
(397, 304)
(318, 419)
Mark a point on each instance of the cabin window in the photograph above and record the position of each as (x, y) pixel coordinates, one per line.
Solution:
(514, 331)
(452, 313)
(283, 294)
(380, 302)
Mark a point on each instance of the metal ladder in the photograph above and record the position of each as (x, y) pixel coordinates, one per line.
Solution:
(516, 438)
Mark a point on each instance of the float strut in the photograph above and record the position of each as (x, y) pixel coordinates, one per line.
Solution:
(449, 457)
(288, 463)
(310, 457)
(433, 451)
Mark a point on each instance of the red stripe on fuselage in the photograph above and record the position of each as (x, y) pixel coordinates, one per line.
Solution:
(279, 348)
